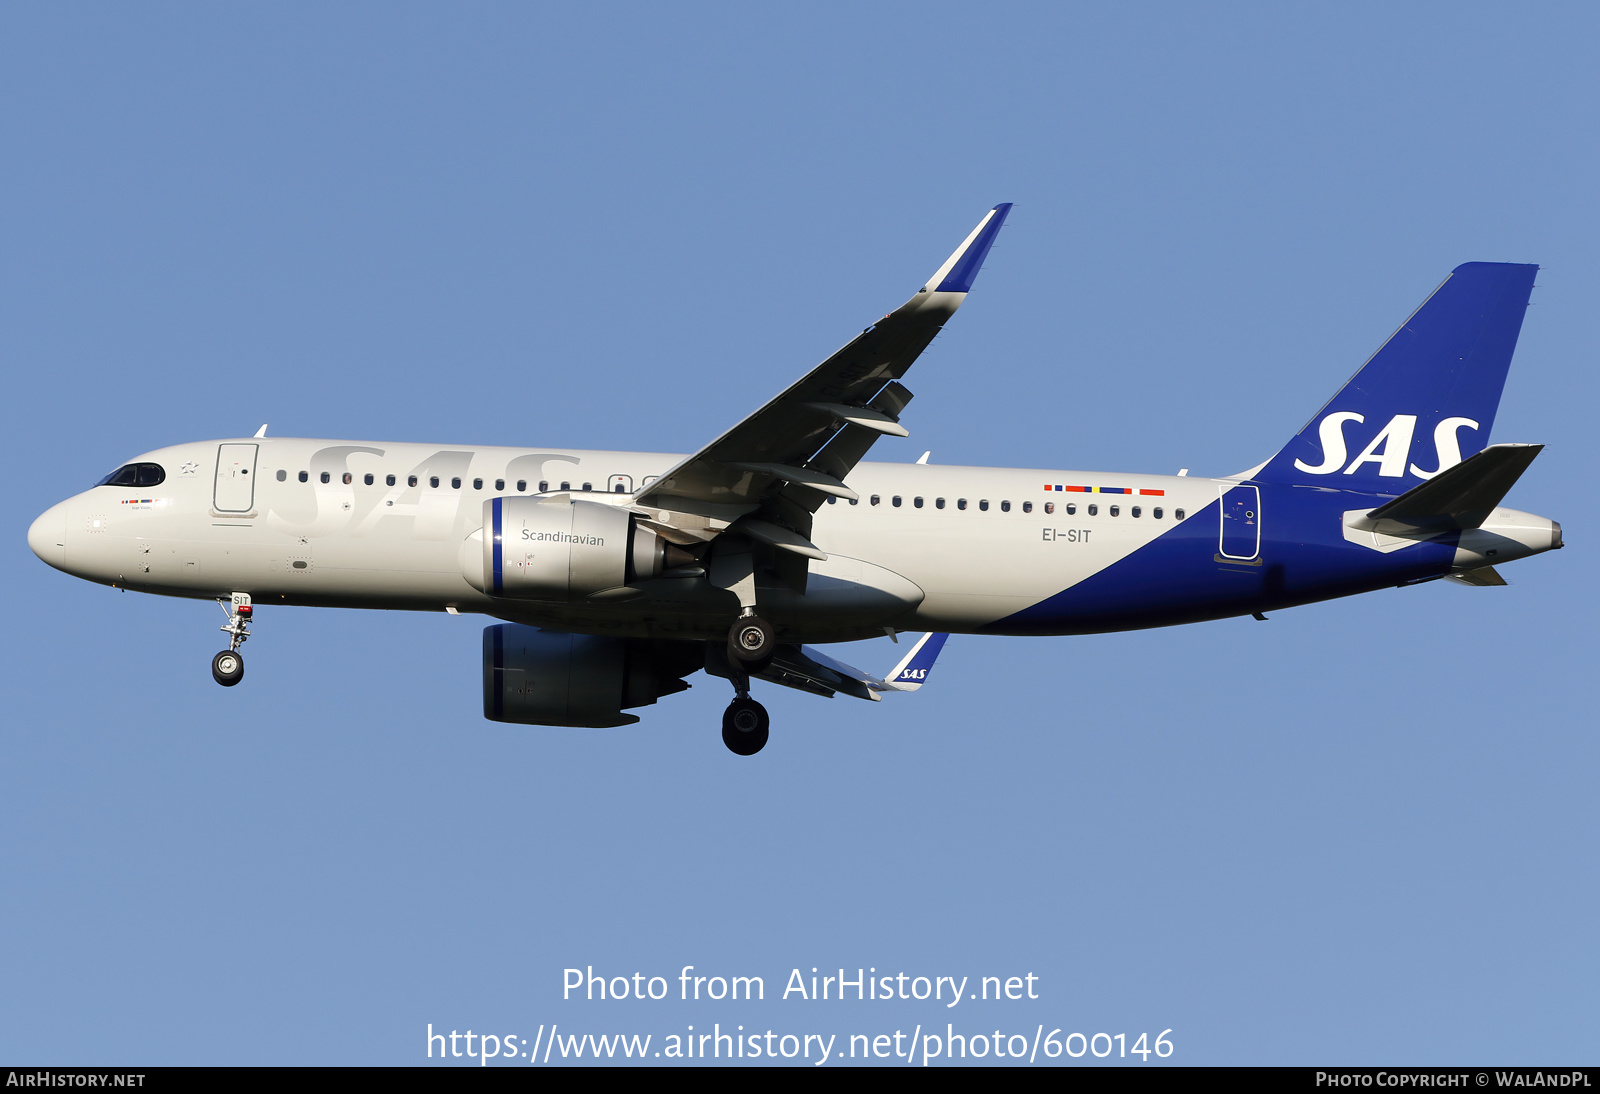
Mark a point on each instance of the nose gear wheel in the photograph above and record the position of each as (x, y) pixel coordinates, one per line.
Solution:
(227, 668)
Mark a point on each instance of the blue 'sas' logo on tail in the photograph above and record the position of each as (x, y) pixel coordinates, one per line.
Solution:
(1427, 399)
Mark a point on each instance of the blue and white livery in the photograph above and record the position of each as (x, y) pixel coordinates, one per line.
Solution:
(618, 574)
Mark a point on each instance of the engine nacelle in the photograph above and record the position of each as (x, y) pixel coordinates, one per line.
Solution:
(551, 678)
(554, 548)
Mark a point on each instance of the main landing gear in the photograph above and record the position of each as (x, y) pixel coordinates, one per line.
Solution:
(751, 641)
(227, 667)
(744, 726)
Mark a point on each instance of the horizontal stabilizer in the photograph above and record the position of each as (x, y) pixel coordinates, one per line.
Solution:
(1455, 499)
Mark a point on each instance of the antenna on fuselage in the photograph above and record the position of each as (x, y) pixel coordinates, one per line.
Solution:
(262, 432)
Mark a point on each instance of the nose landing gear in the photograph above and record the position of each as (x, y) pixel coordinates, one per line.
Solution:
(227, 667)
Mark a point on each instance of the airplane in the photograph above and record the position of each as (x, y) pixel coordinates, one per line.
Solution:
(618, 574)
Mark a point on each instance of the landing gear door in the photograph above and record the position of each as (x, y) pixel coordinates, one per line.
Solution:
(235, 489)
(1241, 523)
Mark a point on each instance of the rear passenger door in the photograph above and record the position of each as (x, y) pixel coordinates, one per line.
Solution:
(1240, 536)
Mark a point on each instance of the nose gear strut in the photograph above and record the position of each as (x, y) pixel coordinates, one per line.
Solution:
(227, 667)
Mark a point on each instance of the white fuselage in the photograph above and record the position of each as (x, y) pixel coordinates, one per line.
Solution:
(956, 548)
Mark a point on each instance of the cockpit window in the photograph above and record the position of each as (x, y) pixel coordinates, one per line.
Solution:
(135, 474)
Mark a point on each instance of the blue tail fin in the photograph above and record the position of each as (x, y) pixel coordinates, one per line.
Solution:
(1426, 399)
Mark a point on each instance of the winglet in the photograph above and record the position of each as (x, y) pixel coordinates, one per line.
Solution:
(912, 672)
(961, 268)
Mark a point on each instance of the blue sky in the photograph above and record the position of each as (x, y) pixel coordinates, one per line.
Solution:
(1360, 833)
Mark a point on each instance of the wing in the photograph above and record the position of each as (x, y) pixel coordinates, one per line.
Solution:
(772, 470)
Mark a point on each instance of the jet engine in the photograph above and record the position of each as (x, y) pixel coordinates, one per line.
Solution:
(555, 548)
(551, 678)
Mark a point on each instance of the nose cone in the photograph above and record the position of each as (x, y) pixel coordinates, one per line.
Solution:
(47, 536)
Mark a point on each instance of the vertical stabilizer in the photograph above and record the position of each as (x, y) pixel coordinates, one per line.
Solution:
(1427, 399)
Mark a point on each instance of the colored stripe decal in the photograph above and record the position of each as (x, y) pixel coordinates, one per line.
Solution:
(498, 549)
(1107, 490)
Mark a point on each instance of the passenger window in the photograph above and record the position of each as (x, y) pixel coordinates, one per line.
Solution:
(477, 484)
(1116, 510)
(897, 501)
(566, 486)
(1005, 507)
(619, 489)
(588, 486)
(1135, 510)
(917, 502)
(388, 480)
(411, 480)
(1177, 514)
(876, 500)
(324, 477)
(283, 476)
(455, 484)
(1049, 507)
(367, 479)
(1072, 508)
(433, 481)
(348, 478)
(304, 477)
(522, 486)
(1156, 512)
(938, 503)
(544, 486)
(1094, 510)
(961, 503)
(832, 500)
(499, 484)
(983, 504)
(1027, 507)
(855, 501)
